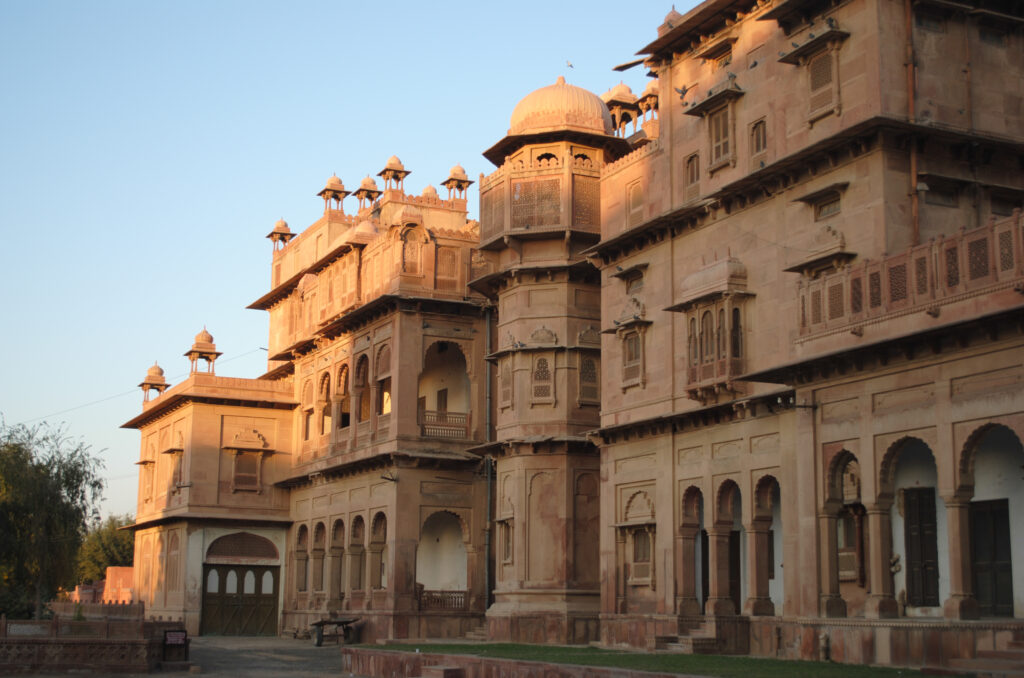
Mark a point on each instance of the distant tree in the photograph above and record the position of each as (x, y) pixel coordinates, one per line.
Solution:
(105, 545)
(50, 489)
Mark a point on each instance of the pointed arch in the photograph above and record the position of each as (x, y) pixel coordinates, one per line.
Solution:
(693, 507)
(969, 453)
(725, 499)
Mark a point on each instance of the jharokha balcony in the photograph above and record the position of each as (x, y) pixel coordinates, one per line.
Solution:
(441, 424)
(951, 278)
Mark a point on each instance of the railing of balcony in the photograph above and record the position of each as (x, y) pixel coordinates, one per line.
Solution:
(437, 424)
(443, 600)
(938, 272)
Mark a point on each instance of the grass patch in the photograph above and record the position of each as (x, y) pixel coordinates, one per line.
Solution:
(705, 665)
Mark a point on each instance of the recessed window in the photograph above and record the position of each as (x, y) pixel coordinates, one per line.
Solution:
(693, 170)
(942, 196)
(636, 204)
(758, 137)
(821, 78)
(721, 139)
(992, 36)
(247, 471)
(930, 22)
(1003, 206)
(828, 207)
(722, 60)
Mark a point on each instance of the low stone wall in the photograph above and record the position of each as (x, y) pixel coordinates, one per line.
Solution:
(390, 664)
(69, 609)
(896, 642)
(556, 628)
(99, 646)
(378, 625)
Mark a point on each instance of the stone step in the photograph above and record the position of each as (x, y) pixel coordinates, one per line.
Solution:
(982, 666)
(1002, 654)
(442, 672)
(694, 645)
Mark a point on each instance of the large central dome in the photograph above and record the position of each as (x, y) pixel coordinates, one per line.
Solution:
(560, 106)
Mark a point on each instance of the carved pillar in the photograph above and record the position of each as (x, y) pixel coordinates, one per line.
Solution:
(961, 603)
(830, 603)
(620, 570)
(719, 603)
(881, 604)
(335, 586)
(686, 602)
(759, 602)
(317, 561)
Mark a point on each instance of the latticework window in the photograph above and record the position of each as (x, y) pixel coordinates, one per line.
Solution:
(898, 282)
(718, 127)
(821, 76)
(589, 380)
(977, 258)
(536, 203)
(505, 394)
(542, 379)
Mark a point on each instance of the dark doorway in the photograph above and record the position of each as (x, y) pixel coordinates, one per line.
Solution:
(990, 557)
(240, 600)
(734, 570)
(922, 547)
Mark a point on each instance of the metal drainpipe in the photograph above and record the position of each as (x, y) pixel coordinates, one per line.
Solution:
(488, 463)
(915, 225)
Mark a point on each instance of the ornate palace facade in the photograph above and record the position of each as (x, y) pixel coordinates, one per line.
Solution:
(734, 365)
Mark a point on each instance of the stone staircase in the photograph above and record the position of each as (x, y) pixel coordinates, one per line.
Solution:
(478, 634)
(1007, 663)
(696, 636)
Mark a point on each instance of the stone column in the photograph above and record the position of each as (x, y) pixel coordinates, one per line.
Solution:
(831, 603)
(335, 587)
(620, 570)
(718, 603)
(758, 603)
(881, 604)
(686, 600)
(961, 603)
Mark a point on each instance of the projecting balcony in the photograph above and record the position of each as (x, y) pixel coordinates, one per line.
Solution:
(448, 601)
(983, 267)
(448, 425)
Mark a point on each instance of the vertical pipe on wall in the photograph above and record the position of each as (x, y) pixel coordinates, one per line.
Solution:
(915, 225)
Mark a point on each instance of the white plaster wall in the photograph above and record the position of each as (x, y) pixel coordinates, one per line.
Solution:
(447, 370)
(999, 474)
(916, 468)
(775, 586)
(441, 555)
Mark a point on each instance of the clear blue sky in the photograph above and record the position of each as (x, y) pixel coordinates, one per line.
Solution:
(146, 148)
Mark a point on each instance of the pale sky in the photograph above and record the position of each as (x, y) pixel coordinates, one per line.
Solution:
(147, 148)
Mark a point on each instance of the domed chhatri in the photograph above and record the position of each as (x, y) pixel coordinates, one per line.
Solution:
(560, 106)
(333, 194)
(429, 192)
(367, 192)
(154, 381)
(202, 349)
(281, 234)
(620, 92)
(457, 183)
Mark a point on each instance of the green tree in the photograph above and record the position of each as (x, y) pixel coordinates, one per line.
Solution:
(105, 545)
(50, 490)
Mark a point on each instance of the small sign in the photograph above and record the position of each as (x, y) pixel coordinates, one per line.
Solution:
(175, 637)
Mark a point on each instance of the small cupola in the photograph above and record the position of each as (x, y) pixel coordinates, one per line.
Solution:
(202, 349)
(394, 174)
(333, 193)
(457, 183)
(154, 381)
(281, 234)
(367, 192)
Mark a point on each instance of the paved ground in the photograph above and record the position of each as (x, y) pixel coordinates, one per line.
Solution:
(259, 657)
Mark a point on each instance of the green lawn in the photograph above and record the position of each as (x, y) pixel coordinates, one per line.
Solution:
(704, 665)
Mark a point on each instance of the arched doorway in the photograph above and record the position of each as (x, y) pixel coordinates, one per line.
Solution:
(919, 531)
(443, 403)
(442, 563)
(241, 584)
(994, 459)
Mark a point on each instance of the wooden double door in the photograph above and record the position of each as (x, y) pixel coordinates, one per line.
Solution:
(990, 557)
(240, 600)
